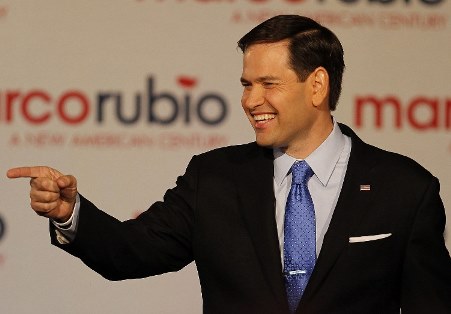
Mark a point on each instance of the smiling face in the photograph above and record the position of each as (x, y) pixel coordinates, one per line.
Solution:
(284, 112)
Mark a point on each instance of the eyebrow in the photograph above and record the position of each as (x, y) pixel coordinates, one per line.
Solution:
(261, 79)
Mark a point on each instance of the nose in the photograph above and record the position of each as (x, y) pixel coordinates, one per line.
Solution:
(253, 97)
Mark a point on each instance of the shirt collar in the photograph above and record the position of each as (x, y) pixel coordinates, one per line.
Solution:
(322, 160)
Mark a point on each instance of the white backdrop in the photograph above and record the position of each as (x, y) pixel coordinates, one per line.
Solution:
(66, 66)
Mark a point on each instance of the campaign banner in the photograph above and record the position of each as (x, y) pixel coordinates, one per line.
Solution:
(122, 94)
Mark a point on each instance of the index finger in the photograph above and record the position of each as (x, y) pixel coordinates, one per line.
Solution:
(32, 172)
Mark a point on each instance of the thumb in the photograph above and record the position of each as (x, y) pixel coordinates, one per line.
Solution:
(68, 187)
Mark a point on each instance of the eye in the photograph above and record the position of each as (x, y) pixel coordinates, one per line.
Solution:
(268, 84)
(246, 85)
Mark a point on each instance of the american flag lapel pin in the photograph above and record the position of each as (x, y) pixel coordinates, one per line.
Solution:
(365, 187)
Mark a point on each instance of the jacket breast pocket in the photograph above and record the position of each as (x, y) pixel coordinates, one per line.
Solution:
(373, 253)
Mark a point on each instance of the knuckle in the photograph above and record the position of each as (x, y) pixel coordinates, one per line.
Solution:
(47, 185)
(48, 197)
(43, 196)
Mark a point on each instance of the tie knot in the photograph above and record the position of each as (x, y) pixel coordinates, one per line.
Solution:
(301, 172)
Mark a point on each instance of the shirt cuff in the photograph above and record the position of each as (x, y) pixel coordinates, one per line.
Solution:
(66, 231)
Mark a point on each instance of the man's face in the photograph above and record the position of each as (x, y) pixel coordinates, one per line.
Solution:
(278, 105)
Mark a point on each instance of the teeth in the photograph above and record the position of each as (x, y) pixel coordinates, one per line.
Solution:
(261, 117)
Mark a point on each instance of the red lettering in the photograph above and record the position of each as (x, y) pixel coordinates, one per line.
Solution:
(431, 105)
(63, 104)
(421, 113)
(377, 105)
(10, 97)
(448, 114)
(26, 102)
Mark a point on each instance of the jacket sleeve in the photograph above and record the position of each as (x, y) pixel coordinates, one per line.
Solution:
(157, 241)
(426, 274)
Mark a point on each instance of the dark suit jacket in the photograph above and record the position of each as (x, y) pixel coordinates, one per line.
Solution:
(221, 214)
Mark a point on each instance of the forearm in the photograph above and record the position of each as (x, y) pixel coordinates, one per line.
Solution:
(123, 250)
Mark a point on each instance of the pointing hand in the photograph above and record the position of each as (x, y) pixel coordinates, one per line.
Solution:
(52, 194)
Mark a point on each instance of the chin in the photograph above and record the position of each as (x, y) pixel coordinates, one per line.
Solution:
(264, 143)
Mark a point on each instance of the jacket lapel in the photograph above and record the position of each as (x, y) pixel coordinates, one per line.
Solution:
(254, 179)
(351, 206)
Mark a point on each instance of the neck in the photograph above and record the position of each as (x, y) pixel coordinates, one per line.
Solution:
(312, 139)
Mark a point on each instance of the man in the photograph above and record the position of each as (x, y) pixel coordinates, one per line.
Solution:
(378, 219)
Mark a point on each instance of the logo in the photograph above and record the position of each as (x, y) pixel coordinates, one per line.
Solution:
(86, 117)
(383, 14)
(420, 113)
(75, 107)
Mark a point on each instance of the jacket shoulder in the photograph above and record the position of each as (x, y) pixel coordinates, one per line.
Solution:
(388, 162)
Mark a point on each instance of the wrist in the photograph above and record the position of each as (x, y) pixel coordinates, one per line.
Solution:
(64, 222)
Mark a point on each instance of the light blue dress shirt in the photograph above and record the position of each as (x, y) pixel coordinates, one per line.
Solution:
(329, 163)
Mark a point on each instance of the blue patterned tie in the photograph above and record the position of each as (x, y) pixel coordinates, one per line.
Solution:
(299, 249)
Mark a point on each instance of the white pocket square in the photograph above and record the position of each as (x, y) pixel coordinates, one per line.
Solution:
(369, 238)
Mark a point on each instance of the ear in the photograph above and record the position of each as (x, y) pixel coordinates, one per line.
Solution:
(320, 85)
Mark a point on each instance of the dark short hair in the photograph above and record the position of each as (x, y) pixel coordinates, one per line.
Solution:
(311, 45)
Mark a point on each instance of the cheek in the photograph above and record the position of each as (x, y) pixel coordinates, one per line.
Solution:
(276, 99)
(244, 97)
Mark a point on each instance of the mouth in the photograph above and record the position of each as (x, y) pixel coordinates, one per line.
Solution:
(262, 119)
